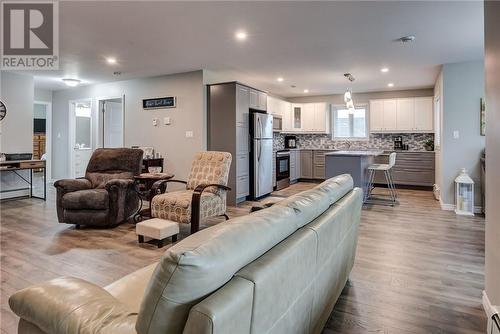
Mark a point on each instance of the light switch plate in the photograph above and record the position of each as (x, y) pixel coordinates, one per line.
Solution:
(155, 121)
(189, 134)
(166, 120)
(456, 134)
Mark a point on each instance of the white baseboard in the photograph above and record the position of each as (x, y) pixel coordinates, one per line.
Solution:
(488, 308)
(15, 193)
(451, 207)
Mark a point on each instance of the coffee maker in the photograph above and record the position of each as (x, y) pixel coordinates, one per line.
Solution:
(290, 142)
(398, 142)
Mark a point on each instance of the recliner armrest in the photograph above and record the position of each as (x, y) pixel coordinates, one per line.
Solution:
(71, 305)
(120, 183)
(68, 185)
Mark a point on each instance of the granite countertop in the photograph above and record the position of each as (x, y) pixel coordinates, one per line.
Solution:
(360, 153)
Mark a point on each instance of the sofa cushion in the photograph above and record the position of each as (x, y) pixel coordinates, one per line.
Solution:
(95, 199)
(176, 206)
(202, 263)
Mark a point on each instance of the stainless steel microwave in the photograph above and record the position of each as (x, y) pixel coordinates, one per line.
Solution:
(277, 123)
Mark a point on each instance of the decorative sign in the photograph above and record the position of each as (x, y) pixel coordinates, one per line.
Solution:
(159, 103)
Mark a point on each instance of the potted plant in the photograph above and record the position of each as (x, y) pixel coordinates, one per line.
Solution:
(429, 145)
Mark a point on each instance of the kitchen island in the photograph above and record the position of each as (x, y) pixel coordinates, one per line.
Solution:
(351, 162)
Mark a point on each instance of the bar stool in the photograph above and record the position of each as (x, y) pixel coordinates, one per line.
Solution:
(386, 168)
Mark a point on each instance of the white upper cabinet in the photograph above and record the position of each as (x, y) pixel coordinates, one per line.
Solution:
(424, 115)
(402, 115)
(307, 118)
(286, 113)
(377, 115)
(308, 123)
(405, 114)
(258, 99)
(242, 104)
(274, 106)
(390, 115)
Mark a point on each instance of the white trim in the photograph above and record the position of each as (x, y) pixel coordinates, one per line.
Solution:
(71, 133)
(333, 112)
(451, 207)
(48, 138)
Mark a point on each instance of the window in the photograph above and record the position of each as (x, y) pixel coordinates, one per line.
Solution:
(350, 125)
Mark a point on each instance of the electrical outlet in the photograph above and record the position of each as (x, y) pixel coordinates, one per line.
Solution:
(166, 120)
(189, 134)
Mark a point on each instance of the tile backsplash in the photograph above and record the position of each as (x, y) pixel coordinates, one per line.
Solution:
(415, 141)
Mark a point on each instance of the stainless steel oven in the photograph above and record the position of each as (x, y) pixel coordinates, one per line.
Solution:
(282, 169)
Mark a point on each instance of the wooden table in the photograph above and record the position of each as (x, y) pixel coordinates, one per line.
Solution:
(143, 184)
(17, 165)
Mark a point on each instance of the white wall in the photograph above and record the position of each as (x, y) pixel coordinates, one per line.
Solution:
(492, 249)
(169, 140)
(463, 87)
(43, 95)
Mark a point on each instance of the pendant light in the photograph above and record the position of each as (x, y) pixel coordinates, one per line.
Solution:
(349, 103)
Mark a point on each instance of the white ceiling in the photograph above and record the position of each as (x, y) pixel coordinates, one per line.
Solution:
(309, 44)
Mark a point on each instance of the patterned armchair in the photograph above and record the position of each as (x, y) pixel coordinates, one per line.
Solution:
(205, 194)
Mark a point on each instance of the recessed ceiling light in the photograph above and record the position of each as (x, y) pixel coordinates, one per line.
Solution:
(241, 35)
(384, 70)
(71, 82)
(390, 84)
(111, 60)
(280, 79)
(306, 90)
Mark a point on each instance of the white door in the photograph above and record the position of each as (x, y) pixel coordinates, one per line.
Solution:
(111, 123)
(405, 114)
(80, 136)
(390, 115)
(424, 114)
(377, 115)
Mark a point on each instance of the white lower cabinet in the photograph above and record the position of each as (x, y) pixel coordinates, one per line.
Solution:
(294, 165)
(242, 186)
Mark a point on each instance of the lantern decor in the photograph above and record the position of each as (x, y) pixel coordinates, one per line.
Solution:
(464, 194)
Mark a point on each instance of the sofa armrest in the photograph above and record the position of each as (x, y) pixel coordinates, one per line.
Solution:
(71, 305)
(68, 185)
(130, 289)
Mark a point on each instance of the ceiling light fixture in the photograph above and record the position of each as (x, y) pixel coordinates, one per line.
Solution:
(390, 84)
(384, 70)
(306, 91)
(111, 60)
(280, 79)
(241, 35)
(71, 82)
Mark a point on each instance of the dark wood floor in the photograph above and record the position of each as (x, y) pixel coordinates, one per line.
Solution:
(418, 269)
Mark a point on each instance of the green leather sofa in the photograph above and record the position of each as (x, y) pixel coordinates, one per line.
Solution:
(277, 270)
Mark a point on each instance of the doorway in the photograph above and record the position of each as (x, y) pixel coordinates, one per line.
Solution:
(111, 124)
(80, 129)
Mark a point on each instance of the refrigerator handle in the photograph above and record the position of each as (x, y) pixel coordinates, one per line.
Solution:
(260, 151)
(259, 126)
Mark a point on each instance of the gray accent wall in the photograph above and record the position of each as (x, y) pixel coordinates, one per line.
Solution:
(16, 129)
(169, 140)
(463, 87)
(492, 251)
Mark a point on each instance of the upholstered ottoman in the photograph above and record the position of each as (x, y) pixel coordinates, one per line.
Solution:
(158, 229)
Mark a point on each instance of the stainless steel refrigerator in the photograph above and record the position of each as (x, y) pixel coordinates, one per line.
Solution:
(261, 154)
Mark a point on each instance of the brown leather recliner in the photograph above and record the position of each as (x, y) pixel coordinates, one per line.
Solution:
(106, 195)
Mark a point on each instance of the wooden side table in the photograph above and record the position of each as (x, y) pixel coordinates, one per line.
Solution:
(143, 184)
